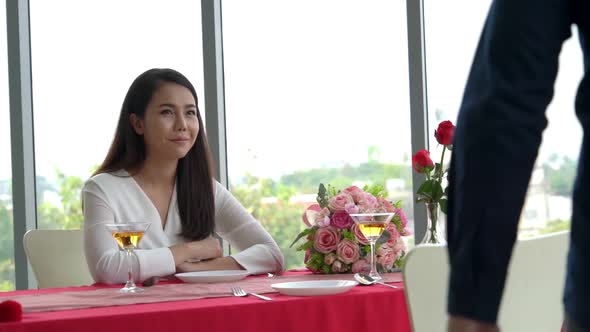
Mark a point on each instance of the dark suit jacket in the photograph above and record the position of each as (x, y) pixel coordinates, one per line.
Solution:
(498, 134)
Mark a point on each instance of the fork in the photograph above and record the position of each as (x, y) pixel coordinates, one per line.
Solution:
(238, 291)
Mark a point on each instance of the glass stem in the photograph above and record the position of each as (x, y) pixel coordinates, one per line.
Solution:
(130, 269)
(373, 265)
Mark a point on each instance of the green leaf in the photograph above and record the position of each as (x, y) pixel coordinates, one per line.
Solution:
(347, 234)
(431, 189)
(316, 260)
(366, 250)
(305, 232)
(376, 190)
(332, 191)
(437, 191)
(425, 188)
(305, 246)
(322, 197)
(443, 205)
(399, 263)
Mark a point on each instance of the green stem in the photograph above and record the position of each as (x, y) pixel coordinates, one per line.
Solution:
(442, 160)
(438, 174)
(433, 211)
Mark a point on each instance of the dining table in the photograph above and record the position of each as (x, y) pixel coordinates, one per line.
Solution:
(177, 306)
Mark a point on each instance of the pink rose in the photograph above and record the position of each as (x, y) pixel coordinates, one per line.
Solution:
(385, 256)
(339, 201)
(393, 234)
(338, 267)
(406, 232)
(368, 203)
(351, 208)
(326, 239)
(310, 214)
(330, 258)
(355, 192)
(341, 219)
(322, 219)
(398, 249)
(402, 216)
(386, 205)
(361, 266)
(347, 251)
(358, 235)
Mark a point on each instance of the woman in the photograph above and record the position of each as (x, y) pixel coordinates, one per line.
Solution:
(158, 170)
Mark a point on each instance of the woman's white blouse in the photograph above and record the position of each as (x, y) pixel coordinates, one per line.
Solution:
(117, 198)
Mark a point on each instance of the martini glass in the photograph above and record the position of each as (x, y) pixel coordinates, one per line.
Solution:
(372, 226)
(128, 236)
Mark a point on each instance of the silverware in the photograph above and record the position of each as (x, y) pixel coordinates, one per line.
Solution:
(367, 280)
(238, 291)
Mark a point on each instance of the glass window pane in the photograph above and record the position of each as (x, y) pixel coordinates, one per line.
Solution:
(315, 92)
(84, 57)
(448, 60)
(6, 220)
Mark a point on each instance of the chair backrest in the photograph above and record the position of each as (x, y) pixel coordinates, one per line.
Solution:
(57, 257)
(532, 299)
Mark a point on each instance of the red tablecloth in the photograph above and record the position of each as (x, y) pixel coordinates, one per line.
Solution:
(375, 308)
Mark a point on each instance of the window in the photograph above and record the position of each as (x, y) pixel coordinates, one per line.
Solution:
(450, 46)
(315, 92)
(84, 57)
(6, 221)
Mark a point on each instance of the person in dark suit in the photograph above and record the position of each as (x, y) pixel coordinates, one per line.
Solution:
(497, 138)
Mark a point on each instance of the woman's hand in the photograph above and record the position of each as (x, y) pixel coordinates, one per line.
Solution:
(205, 249)
(208, 248)
(219, 263)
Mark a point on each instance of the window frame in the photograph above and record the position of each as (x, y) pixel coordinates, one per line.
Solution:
(22, 126)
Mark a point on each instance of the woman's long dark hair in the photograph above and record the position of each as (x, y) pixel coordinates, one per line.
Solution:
(194, 181)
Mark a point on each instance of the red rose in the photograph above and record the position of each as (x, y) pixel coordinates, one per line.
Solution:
(444, 133)
(422, 162)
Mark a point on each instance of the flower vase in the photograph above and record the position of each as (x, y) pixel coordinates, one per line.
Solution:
(435, 230)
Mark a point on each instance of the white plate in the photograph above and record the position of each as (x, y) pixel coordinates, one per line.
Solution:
(316, 287)
(212, 276)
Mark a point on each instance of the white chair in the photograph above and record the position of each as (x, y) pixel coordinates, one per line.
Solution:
(57, 257)
(532, 299)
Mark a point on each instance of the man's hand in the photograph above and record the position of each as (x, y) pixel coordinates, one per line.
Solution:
(460, 324)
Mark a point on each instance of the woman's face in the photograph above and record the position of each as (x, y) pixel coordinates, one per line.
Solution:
(170, 125)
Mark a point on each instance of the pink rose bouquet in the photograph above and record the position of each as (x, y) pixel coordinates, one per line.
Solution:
(334, 242)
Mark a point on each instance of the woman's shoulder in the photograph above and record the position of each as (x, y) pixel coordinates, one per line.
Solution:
(108, 180)
(221, 195)
(219, 190)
